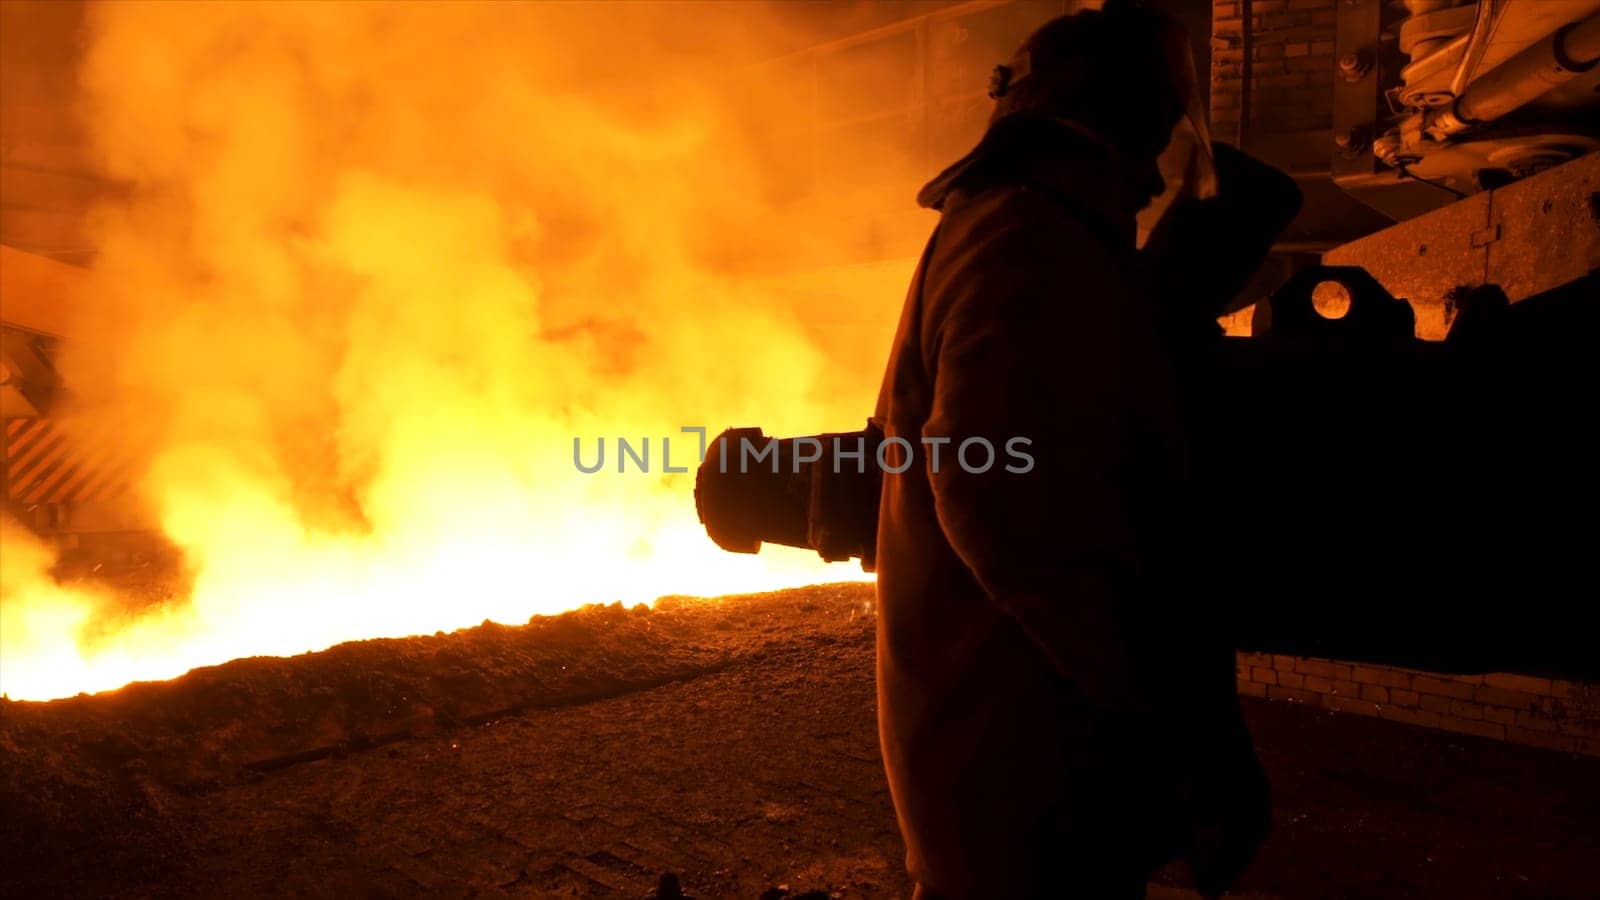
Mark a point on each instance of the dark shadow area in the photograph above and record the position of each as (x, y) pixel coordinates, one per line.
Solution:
(1420, 504)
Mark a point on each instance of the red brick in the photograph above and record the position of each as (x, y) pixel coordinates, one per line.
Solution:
(1325, 18)
(1423, 684)
(1403, 698)
(1374, 693)
(1433, 703)
(1318, 667)
(1346, 688)
(1261, 7)
(1473, 726)
(1584, 706)
(1461, 709)
(1550, 706)
(1291, 679)
(1322, 47)
(1269, 51)
(1251, 689)
(1535, 722)
(1254, 659)
(1312, 64)
(1265, 676)
(1473, 679)
(1310, 4)
(1285, 663)
(1494, 696)
(1544, 739)
(1284, 20)
(1525, 683)
(1391, 678)
(1565, 689)
(1294, 50)
(1290, 694)
(1503, 716)
(1318, 685)
(1580, 727)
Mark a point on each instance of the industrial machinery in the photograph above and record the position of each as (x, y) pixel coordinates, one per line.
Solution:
(1408, 481)
(62, 477)
(1436, 98)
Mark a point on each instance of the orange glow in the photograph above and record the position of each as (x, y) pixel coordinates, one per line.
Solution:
(380, 264)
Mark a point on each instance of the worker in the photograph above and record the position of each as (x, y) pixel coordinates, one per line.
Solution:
(1057, 709)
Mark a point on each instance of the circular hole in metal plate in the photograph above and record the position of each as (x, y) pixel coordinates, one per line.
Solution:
(1331, 299)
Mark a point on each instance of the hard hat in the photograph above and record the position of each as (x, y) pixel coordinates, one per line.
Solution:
(1119, 69)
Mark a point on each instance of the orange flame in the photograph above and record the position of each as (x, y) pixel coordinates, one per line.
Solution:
(380, 266)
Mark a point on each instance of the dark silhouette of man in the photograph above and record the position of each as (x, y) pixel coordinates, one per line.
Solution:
(1057, 710)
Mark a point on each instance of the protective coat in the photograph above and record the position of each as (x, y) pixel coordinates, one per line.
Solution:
(1058, 717)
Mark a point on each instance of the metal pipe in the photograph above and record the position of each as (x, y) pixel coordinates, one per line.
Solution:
(1561, 56)
(1483, 26)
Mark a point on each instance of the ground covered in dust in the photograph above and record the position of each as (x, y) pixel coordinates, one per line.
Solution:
(731, 742)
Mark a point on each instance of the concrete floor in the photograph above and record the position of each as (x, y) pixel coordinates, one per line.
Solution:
(764, 774)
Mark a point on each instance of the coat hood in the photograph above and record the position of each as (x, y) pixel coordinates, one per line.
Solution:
(1073, 162)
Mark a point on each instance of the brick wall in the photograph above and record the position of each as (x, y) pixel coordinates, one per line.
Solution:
(1523, 709)
(1291, 70)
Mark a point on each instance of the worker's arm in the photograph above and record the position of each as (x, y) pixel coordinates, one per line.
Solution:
(1029, 348)
(1203, 252)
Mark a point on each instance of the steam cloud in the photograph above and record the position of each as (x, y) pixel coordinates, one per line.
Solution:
(379, 264)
